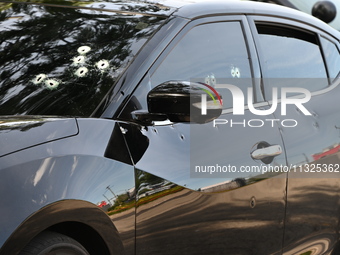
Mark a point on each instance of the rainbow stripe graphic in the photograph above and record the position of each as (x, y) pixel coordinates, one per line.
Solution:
(204, 88)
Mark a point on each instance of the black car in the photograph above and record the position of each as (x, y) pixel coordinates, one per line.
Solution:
(129, 127)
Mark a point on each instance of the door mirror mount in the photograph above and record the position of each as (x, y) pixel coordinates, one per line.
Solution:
(147, 118)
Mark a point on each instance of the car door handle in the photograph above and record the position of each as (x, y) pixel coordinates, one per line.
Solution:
(270, 151)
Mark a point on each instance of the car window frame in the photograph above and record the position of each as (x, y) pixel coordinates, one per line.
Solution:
(114, 102)
(253, 58)
(288, 22)
(337, 45)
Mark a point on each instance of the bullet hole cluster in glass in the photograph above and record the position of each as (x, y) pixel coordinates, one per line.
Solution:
(235, 72)
(83, 68)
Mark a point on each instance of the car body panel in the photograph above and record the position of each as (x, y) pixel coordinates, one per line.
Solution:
(313, 200)
(308, 229)
(72, 169)
(198, 223)
(145, 172)
(189, 217)
(75, 211)
(42, 130)
(212, 199)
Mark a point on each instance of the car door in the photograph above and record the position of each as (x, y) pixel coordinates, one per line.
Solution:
(296, 56)
(202, 188)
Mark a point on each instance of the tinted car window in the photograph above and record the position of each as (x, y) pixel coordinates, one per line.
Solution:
(332, 56)
(293, 55)
(62, 61)
(213, 53)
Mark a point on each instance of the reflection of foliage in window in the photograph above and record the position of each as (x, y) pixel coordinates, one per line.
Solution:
(42, 42)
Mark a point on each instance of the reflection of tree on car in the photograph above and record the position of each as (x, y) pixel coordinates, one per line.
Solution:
(53, 74)
(128, 147)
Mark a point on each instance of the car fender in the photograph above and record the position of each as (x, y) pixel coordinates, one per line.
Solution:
(67, 210)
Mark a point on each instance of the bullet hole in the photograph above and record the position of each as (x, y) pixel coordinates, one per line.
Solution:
(235, 72)
(78, 60)
(81, 72)
(52, 84)
(210, 80)
(102, 64)
(83, 49)
(39, 78)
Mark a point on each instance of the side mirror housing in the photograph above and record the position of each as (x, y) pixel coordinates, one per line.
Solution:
(182, 101)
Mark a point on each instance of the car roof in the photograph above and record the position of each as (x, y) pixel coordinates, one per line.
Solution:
(133, 7)
(234, 7)
(189, 9)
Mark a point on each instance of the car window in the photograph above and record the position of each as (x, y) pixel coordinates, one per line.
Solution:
(332, 56)
(291, 58)
(63, 61)
(214, 53)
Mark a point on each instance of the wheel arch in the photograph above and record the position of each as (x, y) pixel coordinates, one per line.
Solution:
(69, 217)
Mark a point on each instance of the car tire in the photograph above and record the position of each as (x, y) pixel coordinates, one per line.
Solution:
(52, 243)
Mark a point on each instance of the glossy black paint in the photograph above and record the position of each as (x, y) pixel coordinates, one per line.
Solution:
(311, 224)
(57, 172)
(67, 170)
(77, 55)
(54, 215)
(190, 217)
(229, 222)
(42, 130)
(313, 197)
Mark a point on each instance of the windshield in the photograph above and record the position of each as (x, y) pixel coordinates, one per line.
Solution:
(63, 61)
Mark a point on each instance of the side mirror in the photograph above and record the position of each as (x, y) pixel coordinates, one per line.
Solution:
(183, 101)
(324, 10)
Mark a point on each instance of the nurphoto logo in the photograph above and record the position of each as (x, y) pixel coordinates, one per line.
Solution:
(239, 106)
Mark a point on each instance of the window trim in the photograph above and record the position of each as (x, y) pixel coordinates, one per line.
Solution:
(253, 60)
(257, 19)
(336, 44)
